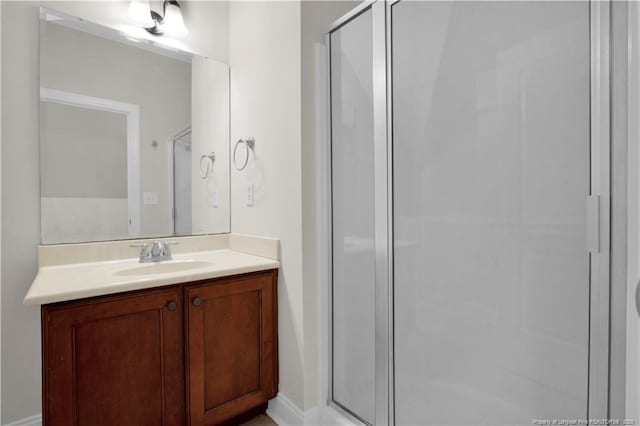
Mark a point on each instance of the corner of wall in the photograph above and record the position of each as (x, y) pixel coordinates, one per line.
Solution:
(264, 56)
(316, 17)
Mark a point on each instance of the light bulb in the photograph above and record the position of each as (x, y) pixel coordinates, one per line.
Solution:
(173, 23)
(140, 13)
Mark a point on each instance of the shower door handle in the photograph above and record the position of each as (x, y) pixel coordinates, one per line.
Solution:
(638, 298)
(593, 223)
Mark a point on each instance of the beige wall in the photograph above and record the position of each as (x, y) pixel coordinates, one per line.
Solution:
(73, 219)
(272, 99)
(207, 22)
(20, 210)
(83, 174)
(83, 152)
(210, 133)
(265, 104)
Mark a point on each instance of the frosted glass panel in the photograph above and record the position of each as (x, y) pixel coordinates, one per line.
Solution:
(353, 226)
(491, 174)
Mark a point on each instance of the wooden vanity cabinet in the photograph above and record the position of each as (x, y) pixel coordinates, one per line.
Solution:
(232, 346)
(195, 353)
(114, 361)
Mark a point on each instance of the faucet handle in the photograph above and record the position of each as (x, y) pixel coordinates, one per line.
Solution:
(144, 252)
(166, 247)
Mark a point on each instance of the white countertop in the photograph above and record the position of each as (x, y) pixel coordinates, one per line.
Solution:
(81, 280)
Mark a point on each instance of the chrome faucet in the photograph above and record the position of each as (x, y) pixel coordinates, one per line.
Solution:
(159, 251)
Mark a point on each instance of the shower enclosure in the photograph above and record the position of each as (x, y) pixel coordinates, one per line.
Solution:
(469, 200)
(181, 183)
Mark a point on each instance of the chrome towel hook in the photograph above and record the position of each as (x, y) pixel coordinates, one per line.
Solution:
(210, 159)
(250, 143)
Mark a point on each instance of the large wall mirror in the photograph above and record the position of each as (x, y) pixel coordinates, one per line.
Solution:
(134, 136)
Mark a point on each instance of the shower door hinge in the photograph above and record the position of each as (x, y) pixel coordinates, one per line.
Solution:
(593, 223)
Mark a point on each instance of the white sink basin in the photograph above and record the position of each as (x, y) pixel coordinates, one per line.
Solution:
(163, 267)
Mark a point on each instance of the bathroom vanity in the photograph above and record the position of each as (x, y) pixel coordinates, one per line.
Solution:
(134, 144)
(190, 341)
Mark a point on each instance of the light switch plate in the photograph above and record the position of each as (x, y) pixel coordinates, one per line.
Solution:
(150, 198)
(250, 195)
(213, 200)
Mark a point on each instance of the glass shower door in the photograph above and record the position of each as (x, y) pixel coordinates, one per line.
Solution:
(182, 185)
(352, 198)
(491, 170)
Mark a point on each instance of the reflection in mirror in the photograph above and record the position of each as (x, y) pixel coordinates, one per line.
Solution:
(134, 137)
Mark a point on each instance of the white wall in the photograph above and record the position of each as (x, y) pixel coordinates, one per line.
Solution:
(265, 104)
(73, 219)
(21, 384)
(83, 195)
(210, 133)
(272, 100)
(70, 137)
(20, 210)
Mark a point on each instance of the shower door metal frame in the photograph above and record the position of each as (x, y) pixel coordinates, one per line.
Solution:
(382, 216)
(598, 206)
(171, 171)
(600, 192)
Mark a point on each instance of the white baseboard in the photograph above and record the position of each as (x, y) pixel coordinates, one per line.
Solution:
(29, 421)
(286, 413)
(281, 410)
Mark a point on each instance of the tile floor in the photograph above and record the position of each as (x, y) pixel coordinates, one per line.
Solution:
(261, 420)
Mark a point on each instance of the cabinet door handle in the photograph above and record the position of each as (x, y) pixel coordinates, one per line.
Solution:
(197, 301)
(172, 306)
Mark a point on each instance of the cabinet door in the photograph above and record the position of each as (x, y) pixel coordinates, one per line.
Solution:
(115, 361)
(232, 346)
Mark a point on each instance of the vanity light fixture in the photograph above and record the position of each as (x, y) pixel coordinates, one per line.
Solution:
(170, 23)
